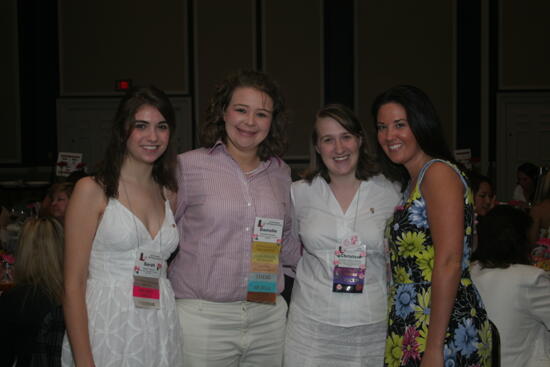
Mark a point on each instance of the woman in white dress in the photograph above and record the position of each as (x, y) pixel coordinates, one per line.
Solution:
(120, 309)
(338, 311)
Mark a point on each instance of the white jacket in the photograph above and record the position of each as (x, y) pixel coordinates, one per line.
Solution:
(517, 300)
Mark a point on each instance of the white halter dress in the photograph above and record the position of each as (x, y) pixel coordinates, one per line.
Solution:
(120, 333)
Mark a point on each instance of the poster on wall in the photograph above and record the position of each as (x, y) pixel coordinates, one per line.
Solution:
(67, 163)
(464, 157)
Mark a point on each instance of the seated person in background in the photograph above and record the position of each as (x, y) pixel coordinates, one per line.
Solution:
(484, 198)
(539, 233)
(516, 294)
(524, 192)
(540, 213)
(484, 195)
(60, 194)
(36, 296)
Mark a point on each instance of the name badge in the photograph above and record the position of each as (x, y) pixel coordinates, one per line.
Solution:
(147, 271)
(264, 260)
(349, 266)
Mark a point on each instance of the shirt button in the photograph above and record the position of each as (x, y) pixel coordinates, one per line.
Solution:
(247, 229)
(248, 204)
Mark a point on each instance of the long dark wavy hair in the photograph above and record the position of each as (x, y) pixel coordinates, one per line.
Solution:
(367, 166)
(164, 167)
(423, 121)
(214, 128)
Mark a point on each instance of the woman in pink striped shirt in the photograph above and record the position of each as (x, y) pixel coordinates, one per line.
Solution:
(228, 293)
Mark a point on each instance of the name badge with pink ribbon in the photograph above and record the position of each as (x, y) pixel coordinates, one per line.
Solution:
(349, 265)
(147, 271)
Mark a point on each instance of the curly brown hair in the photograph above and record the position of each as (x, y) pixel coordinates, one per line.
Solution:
(214, 128)
(367, 165)
(164, 168)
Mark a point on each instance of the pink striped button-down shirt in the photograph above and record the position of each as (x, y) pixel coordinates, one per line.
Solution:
(217, 205)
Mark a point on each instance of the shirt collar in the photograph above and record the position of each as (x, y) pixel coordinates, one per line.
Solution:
(220, 145)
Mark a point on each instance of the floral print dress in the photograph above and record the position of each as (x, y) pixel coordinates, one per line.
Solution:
(468, 338)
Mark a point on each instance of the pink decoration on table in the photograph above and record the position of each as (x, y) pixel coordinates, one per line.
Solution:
(7, 258)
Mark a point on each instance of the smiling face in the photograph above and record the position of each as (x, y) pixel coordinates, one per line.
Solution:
(397, 139)
(149, 137)
(247, 120)
(483, 200)
(338, 148)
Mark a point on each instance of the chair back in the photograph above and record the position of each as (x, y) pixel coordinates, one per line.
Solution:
(495, 351)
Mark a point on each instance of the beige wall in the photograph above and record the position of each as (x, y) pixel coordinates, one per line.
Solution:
(396, 42)
(524, 44)
(224, 42)
(102, 41)
(228, 37)
(406, 42)
(293, 56)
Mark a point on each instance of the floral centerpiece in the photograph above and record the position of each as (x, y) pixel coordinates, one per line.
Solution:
(7, 262)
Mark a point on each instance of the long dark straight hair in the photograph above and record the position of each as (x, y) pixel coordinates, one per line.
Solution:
(423, 121)
(164, 168)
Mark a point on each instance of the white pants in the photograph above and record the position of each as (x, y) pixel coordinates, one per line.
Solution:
(228, 334)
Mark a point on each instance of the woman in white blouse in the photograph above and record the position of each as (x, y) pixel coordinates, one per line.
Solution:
(516, 294)
(338, 311)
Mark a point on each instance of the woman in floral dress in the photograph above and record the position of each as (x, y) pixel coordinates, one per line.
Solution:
(436, 316)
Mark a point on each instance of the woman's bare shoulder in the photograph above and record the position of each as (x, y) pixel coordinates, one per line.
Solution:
(440, 174)
(88, 189)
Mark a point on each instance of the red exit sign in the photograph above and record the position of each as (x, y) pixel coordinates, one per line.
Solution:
(123, 85)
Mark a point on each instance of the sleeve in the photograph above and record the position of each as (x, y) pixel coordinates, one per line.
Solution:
(538, 298)
(518, 194)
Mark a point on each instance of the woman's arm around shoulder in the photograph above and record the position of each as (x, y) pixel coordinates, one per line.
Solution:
(443, 192)
(84, 211)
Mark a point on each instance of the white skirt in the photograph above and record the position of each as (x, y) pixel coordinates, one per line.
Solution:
(309, 343)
